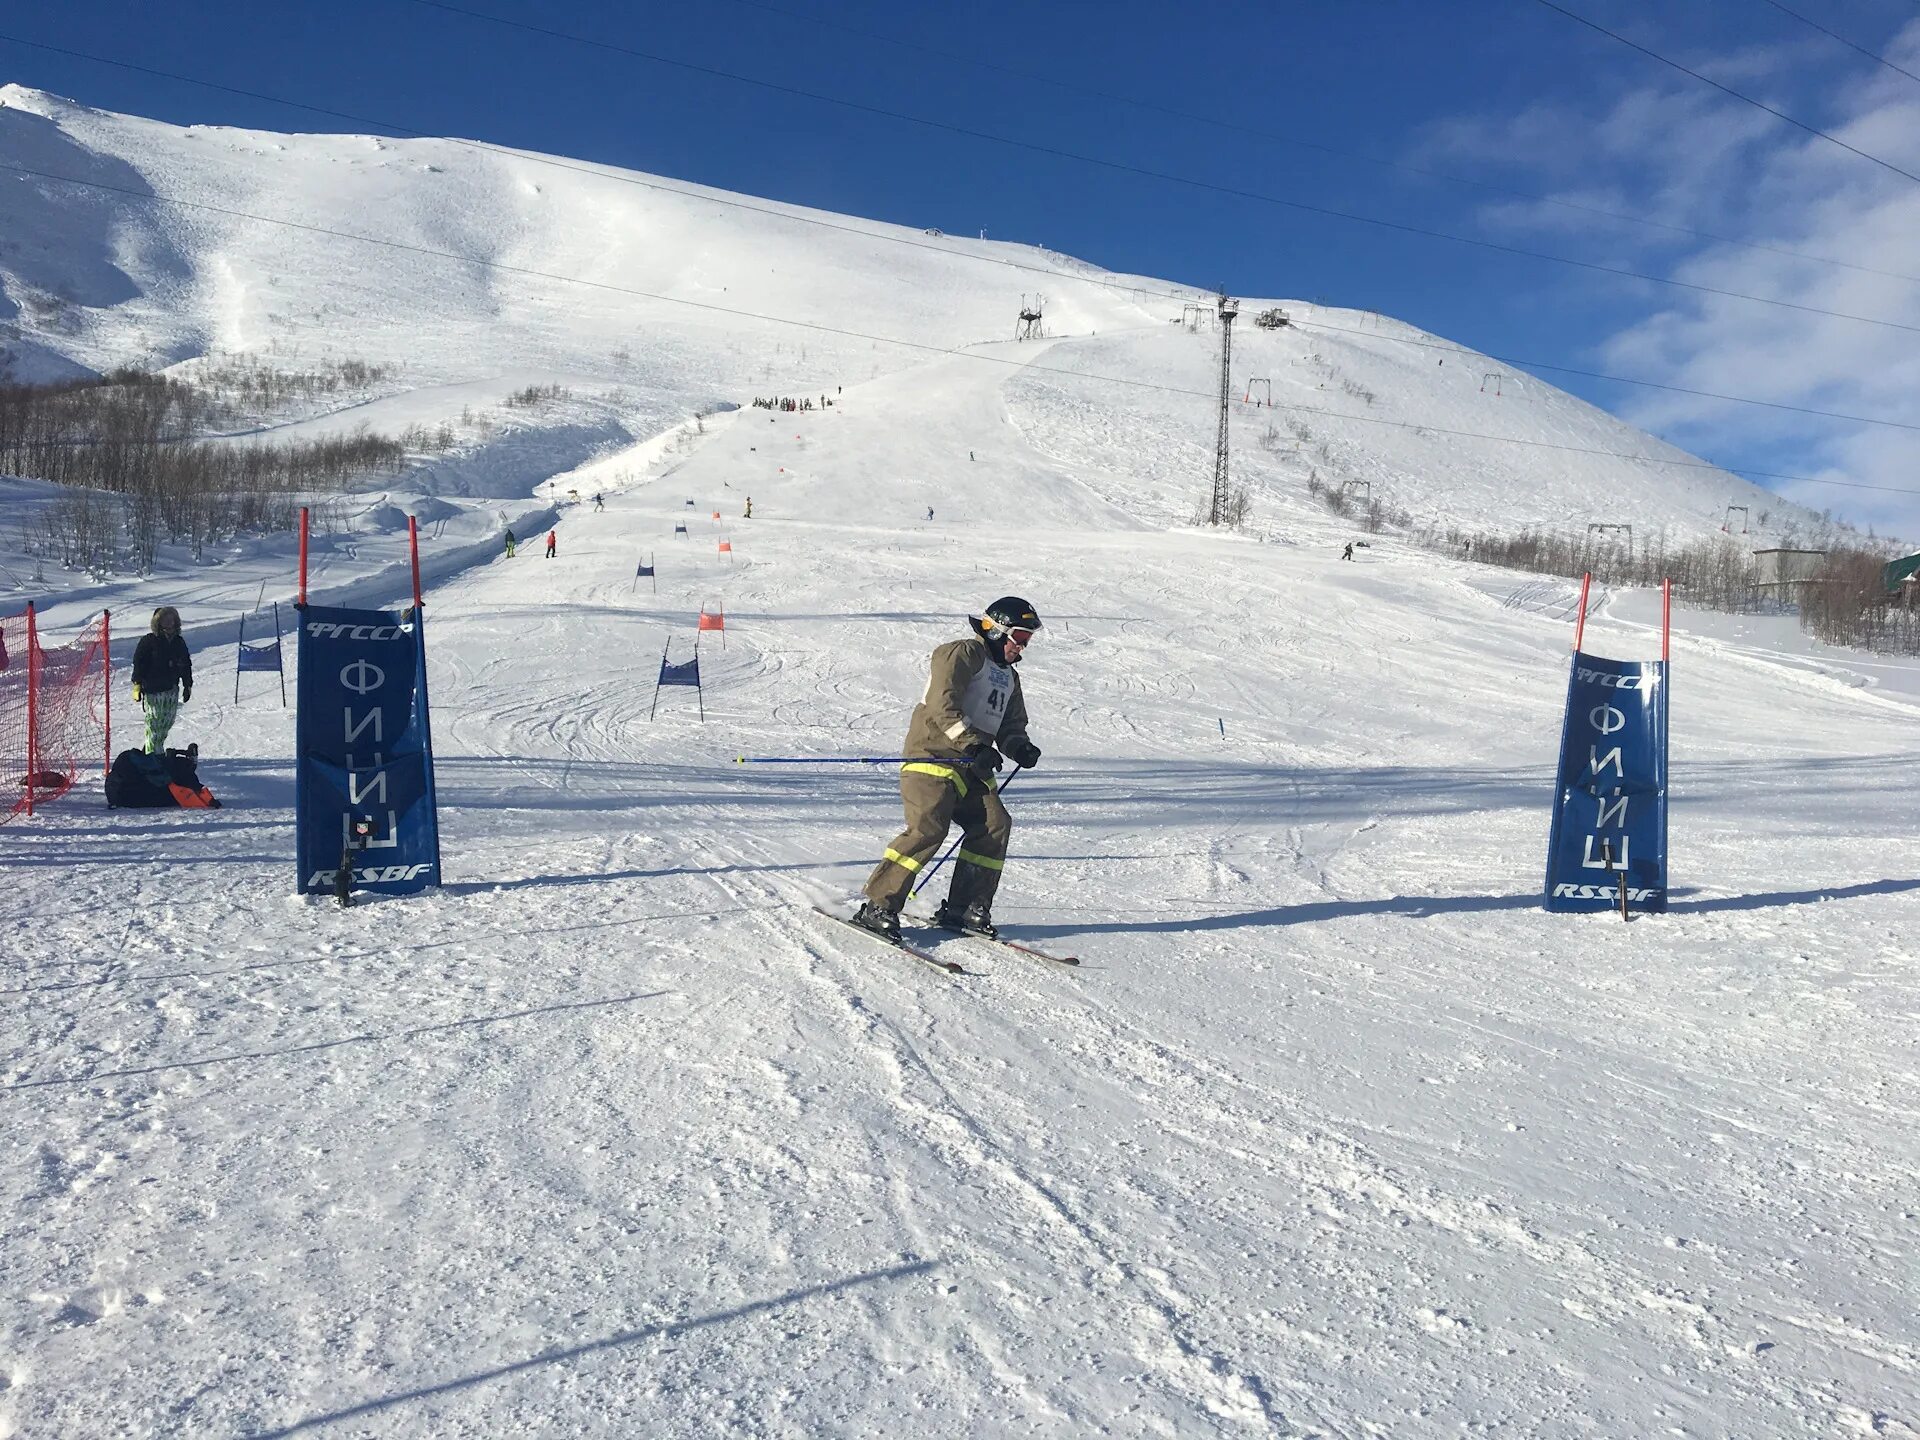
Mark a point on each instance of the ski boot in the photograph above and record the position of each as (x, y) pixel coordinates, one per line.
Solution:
(883, 922)
(974, 919)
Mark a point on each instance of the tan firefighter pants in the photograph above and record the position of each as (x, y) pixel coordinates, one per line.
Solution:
(936, 795)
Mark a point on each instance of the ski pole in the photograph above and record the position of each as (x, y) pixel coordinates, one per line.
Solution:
(817, 760)
(933, 868)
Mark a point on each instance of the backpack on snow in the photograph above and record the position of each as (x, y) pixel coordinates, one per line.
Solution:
(139, 781)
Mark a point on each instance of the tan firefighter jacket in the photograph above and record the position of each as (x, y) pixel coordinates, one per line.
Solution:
(971, 698)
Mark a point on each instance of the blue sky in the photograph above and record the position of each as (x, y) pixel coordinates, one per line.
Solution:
(1504, 92)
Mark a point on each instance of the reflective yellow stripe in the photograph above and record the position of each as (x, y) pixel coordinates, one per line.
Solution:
(943, 772)
(985, 862)
(905, 862)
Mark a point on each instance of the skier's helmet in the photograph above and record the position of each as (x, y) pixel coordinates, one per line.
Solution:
(1009, 612)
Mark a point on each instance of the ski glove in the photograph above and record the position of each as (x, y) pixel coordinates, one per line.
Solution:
(136, 690)
(1024, 753)
(186, 691)
(983, 758)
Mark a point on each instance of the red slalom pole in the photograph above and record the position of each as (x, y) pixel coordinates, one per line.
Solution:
(413, 550)
(303, 556)
(1580, 626)
(106, 670)
(1666, 620)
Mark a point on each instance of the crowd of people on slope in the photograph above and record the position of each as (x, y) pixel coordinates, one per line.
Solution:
(791, 405)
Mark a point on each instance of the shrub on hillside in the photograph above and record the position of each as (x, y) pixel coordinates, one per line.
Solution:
(125, 444)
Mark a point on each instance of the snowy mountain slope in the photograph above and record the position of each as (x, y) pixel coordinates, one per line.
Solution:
(95, 280)
(1335, 1133)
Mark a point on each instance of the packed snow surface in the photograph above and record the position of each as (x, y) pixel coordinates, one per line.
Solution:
(1333, 1133)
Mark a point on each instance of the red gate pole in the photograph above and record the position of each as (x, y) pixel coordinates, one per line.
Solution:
(1580, 627)
(1666, 619)
(413, 549)
(33, 705)
(303, 556)
(106, 670)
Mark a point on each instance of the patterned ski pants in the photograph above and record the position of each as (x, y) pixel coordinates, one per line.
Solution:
(160, 710)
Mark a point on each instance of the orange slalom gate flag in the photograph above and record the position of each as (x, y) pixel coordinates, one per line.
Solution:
(726, 547)
(711, 621)
(716, 514)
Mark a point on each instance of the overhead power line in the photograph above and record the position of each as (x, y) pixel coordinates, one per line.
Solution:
(1425, 172)
(606, 286)
(1861, 49)
(1122, 167)
(1723, 89)
(1050, 272)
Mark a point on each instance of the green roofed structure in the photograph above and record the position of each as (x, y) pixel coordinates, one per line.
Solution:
(1904, 571)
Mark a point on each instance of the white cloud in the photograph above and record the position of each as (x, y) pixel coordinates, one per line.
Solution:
(1686, 155)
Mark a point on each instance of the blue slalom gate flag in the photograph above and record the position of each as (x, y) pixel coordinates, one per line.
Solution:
(261, 656)
(1610, 796)
(679, 529)
(363, 771)
(258, 657)
(642, 569)
(687, 672)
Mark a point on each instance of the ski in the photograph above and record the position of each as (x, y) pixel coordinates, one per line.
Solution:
(1034, 950)
(951, 967)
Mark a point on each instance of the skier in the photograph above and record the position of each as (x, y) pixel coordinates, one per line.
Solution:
(162, 675)
(509, 544)
(973, 711)
(553, 543)
(1348, 554)
(598, 503)
(749, 514)
(929, 512)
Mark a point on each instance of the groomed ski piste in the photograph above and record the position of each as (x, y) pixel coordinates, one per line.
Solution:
(1334, 1132)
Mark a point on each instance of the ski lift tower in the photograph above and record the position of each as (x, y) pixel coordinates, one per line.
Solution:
(1217, 514)
(1030, 316)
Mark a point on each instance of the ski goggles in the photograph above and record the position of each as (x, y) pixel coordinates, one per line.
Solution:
(1021, 637)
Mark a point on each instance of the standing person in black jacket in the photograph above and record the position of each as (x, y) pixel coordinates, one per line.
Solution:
(162, 675)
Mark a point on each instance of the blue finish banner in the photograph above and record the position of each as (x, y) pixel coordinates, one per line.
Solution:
(1610, 798)
(363, 773)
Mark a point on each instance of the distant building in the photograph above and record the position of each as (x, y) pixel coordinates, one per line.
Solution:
(1782, 571)
(1902, 576)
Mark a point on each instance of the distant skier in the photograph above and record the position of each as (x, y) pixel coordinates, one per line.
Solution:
(1348, 554)
(972, 712)
(509, 544)
(598, 503)
(553, 543)
(929, 512)
(749, 507)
